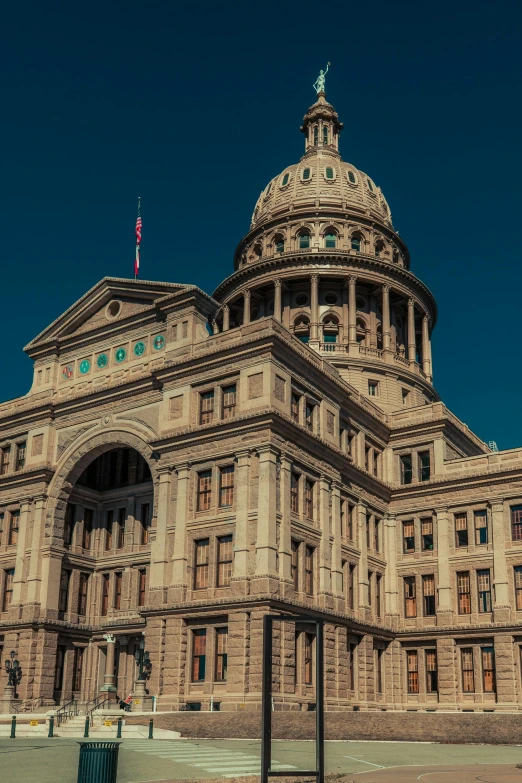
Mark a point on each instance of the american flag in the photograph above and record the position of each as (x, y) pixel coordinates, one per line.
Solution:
(138, 242)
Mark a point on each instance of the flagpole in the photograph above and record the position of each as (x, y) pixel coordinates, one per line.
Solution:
(138, 241)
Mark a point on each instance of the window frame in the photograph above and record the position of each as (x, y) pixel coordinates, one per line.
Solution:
(406, 470)
(309, 499)
(224, 560)
(427, 533)
(204, 490)
(410, 597)
(226, 486)
(199, 655)
(309, 565)
(484, 595)
(221, 655)
(480, 514)
(467, 671)
(206, 411)
(406, 525)
(228, 401)
(463, 595)
(432, 682)
(201, 563)
(461, 531)
(412, 671)
(517, 570)
(488, 650)
(428, 579)
(516, 522)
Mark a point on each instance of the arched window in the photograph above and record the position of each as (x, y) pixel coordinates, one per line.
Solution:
(316, 134)
(360, 330)
(351, 177)
(258, 251)
(356, 243)
(285, 180)
(306, 173)
(304, 241)
(279, 243)
(370, 184)
(329, 173)
(330, 240)
(302, 328)
(325, 134)
(379, 248)
(330, 329)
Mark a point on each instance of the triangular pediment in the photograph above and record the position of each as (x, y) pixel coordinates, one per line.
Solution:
(108, 303)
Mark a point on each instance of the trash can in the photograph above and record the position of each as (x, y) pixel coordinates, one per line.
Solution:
(98, 762)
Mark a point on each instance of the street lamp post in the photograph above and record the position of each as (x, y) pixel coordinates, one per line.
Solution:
(143, 662)
(14, 678)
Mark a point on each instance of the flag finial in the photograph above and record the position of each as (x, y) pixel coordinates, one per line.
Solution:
(138, 241)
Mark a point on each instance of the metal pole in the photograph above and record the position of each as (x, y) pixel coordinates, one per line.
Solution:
(118, 733)
(86, 732)
(51, 726)
(319, 697)
(13, 727)
(151, 729)
(266, 705)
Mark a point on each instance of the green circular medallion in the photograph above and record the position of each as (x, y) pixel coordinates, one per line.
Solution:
(139, 349)
(102, 360)
(120, 355)
(159, 342)
(85, 366)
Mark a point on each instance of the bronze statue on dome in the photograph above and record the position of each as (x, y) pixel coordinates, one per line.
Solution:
(319, 83)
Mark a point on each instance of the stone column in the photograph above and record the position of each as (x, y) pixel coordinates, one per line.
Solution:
(159, 546)
(314, 309)
(277, 300)
(346, 315)
(448, 672)
(445, 608)
(337, 575)
(34, 577)
(179, 556)
(325, 583)
(226, 318)
(240, 576)
(352, 316)
(363, 561)
(246, 306)
(18, 579)
(108, 689)
(426, 368)
(505, 670)
(391, 587)
(285, 533)
(501, 603)
(215, 327)
(386, 326)
(411, 332)
(266, 546)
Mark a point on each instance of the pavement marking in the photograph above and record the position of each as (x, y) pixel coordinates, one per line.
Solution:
(353, 758)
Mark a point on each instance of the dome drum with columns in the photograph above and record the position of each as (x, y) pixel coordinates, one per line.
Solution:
(323, 258)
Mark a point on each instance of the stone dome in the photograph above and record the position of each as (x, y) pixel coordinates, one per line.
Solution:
(321, 179)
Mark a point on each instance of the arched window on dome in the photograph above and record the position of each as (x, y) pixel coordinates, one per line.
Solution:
(360, 331)
(351, 177)
(306, 173)
(285, 179)
(325, 134)
(330, 330)
(279, 244)
(304, 241)
(379, 336)
(356, 242)
(330, 240)
(302, 328)
(329, 172)
(316, 135)
(379, 248)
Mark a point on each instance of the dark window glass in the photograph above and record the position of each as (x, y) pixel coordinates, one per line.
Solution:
(306, 173)
(325, 141)
(63, 599)
(68, 525)
(109, 519)
(118, 580)
(481, 527)
(330, 240)
(408, 536)
(351, 177)
(427, 534)
(410, 599)
(145, 519)
(285, 179)
(142, 586)
(20, 456)
(304, 241)
(82, 594)
(199, 649)
(122, 513)
(516, 523)
(424, 465)
(78, 668)
(221, 654)
(518, 588)
(8, 589)
(484, 590)
(59, 667)
(295, 564)
(309, 570)
(461, 529)
(329, 173)
(428, 593)
(105, 594)
(431, 671)
(406, 469)
(14, 526)
(87, 528)
(356, 244)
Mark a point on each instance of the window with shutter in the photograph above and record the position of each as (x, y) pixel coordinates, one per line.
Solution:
(413, 671)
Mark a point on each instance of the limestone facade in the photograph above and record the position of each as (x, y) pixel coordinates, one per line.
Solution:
(185, 463)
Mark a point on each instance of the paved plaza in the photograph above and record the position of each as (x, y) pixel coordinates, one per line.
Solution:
(144, 761)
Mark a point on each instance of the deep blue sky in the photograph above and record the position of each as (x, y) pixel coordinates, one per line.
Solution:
(195, 106)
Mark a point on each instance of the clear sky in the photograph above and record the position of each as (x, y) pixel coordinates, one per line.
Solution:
(195, 106)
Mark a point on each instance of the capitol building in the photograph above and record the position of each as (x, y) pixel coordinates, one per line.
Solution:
(185, 463)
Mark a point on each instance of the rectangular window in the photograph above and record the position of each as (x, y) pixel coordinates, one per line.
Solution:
(408, 537)
(201, 562)
(516, 523)
(118, 581)
(296, 399)
(308, 658)
(121, 527)
(142, 586)
(87, 528)
(226, 486)
(14, 526)
(21, 449)
(309, 499)
(60, 664)
(378, 669)
(461, 529)
(484, 590)
(309, 416)
(378, 581)
(295, 564)
(199, 648)
(82, 594)
(376, 459)
(8, 589)
(368, 530)
(351, 586)
(370, 581)
(109, 519)
(488, 669)
(204, 490)
(367, 458)
(428, 594)
(463, 590)
(481, 527)
(351, 666)
(424, 465)
(413, 671)
(309, 570)
(206, 407)
(406, 469)
(468, 674)
(373, 388)
(145, 522)
(432, 685)
(351, 515)
(229, 401)
(376, 534)
(4, 460)
(224, 561)
(294, 493)
(518, 587)
(2, 520)
(221, 654)
(68, 525)
(78, 668)
(427, 534)
(63, 598)
(105, 594)
(410, 598)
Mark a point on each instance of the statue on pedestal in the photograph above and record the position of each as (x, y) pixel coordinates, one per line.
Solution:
(319, 82)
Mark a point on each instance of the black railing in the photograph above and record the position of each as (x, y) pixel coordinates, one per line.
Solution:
(97, 704)
(66, 711)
